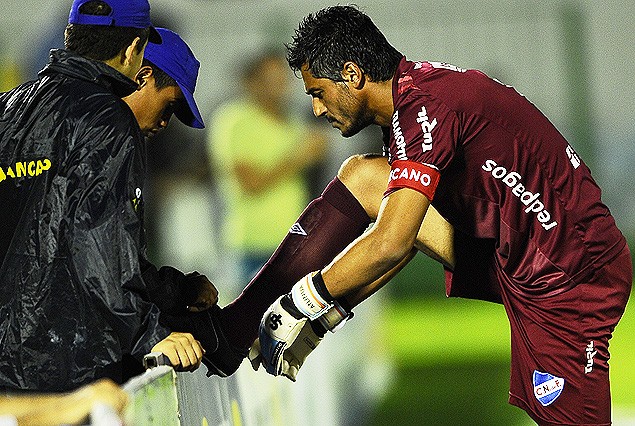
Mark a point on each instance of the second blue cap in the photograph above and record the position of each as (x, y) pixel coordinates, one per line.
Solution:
(176, 59)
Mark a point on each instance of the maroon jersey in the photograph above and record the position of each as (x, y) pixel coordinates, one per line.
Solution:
(503, 171)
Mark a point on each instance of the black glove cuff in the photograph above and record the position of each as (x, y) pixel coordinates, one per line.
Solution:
(318, 283)
(345, 305)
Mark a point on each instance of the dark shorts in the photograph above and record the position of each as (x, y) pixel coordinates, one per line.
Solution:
(559, 344)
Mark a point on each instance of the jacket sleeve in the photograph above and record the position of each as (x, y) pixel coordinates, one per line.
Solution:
(104, 228)
(166, 287)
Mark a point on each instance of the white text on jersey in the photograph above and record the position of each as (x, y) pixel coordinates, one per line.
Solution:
(513, 180)
(399, 139)
(426, 127)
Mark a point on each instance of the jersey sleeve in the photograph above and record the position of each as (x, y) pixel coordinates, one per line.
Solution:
(423, 141)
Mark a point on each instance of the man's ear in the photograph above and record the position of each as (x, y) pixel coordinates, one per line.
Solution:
(131, 51)
(142, 77)
(353, 74)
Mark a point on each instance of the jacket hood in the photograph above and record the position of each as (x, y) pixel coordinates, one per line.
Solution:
(76, 66)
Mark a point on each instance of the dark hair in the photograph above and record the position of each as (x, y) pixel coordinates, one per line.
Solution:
(161, 78)
(101, 42)
(328, 39)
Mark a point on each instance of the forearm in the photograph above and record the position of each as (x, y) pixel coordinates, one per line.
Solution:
(436, 238)
(358, 266)
(356, 297)
(382, 248)
(51, 410)
(120, 299)
(365, 177)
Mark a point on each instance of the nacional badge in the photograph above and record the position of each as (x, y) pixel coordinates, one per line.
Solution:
(547, 388)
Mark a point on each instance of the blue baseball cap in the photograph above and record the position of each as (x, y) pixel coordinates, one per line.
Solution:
(124, 13)
(176, 59)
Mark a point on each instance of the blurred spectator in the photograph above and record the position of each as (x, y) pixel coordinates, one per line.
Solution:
(10, 72)
(260, 152)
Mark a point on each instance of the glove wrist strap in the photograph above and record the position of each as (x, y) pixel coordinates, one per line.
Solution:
(307, 299)
(334, 318)
(320, 287)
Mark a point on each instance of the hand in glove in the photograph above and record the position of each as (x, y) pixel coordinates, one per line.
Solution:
(294, 325)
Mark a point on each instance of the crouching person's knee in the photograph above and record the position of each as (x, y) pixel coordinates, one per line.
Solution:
(366, 177)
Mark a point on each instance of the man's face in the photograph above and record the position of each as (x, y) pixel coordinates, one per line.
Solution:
(153, 108)
(337, 102)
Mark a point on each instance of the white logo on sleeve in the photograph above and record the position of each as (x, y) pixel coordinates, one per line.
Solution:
(573, 157)
(400, 141)
(426, 127)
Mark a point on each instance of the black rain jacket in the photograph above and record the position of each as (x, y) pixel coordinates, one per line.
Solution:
(74, 285)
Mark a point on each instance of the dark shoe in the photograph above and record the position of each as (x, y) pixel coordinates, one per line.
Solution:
(226, 359)
(221, 358)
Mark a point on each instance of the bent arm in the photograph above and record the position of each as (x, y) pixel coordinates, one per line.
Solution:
(435, 239)
(356, 297)
(366, 177)
(382, 248)
(105, 235)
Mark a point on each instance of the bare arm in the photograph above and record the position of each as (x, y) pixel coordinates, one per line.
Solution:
(382, 248)
(435, 239)
(354, 298)
(366, 177)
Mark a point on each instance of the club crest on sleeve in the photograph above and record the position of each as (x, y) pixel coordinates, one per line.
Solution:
(547, 388)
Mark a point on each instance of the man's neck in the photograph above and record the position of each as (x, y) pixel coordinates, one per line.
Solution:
(380, 101)
(116, 64)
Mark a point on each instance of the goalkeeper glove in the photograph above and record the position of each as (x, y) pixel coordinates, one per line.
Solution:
(294, 325)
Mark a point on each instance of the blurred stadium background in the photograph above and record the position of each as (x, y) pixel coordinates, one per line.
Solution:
(413, 357)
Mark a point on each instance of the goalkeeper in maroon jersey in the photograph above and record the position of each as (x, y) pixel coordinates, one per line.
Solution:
(528, 227)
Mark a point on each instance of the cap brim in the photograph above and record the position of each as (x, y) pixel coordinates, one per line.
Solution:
(155, 37)
(190, 116)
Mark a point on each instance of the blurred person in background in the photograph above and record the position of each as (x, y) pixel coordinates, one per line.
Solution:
(260, 152)
(76, 292)
(529, 228)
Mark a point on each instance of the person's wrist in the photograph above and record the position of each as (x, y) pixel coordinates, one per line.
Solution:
(311, 297)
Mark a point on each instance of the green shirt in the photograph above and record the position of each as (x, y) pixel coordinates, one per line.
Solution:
(240, 131)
